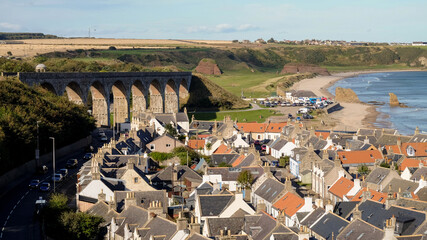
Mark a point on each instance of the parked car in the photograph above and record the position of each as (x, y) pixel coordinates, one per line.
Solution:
(290, 116)
(256, 142)
(34, 183)
(71, 163)
(263, 147)
(44, 187)
(87, 156)
(101, 133)
(104, 138)
(57, 177)
(298, 119)
(307, 116)
(63, 172)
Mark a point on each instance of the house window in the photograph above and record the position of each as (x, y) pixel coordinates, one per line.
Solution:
(259, 136)
(135, 180)
(168, 145)
(152, 147)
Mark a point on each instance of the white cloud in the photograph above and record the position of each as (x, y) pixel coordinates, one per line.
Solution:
(222, 28)
(9, 26)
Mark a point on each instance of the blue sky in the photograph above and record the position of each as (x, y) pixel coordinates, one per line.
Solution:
(360, 20)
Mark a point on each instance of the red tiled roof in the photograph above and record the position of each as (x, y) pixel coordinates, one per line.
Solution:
(410, 162)
(393, 148)
(375, 196)
(420, 148)
(359, 157)
(223, 149)
(275, 127)
(341, 187)
(252, 127)
(203, 136)
(289, 203)
(238, 160)
(324, 135)
(196, 144)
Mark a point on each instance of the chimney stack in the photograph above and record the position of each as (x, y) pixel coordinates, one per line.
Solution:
(194, 225)
(101, 196)
(130, 200)
(181, 222)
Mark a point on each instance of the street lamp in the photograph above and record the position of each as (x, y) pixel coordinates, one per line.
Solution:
(38, 147)
(53, 161)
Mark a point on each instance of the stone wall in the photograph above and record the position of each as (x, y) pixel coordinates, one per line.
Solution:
(15, 176)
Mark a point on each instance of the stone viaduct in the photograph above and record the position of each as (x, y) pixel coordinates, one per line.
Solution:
(117, 92)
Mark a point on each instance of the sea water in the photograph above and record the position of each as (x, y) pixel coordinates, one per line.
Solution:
(409, 87)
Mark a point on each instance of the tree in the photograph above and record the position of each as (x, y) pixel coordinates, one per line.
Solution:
(112, 48)
(80, 225)
(208, 146)
(224, 164)
(363, 169)
(271, 40)
(235, 41)
(245, 179)
(171, 130)
(283, 161)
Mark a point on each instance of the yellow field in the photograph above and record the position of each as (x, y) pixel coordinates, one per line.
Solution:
(32, 47)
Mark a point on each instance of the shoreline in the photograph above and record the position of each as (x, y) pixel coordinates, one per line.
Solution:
(353, 115)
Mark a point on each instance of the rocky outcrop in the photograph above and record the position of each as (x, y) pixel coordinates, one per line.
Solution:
(208, 66)
(304, 68)
(394, 102)
(346, 95)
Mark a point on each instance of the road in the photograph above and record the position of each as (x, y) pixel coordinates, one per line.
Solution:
(17, 218)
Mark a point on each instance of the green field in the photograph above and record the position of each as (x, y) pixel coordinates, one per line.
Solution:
(236, 81)
(246, 116)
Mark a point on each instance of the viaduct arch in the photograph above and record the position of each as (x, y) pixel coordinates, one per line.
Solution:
(117, 92)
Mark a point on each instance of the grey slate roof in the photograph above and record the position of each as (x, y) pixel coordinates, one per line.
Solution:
(102, 209)
(183, 172)
(378, 175)
(159, 226)
(418, 173)
(216, 159)
(285, 236)
(328, 224)
(247, 161)
(143, 199)
(312, 217)
(388, 139)
(344, 209)
(418, 138)
(411, 203)
(232, 173)
(134, 215)
(360, 230)
(422, 194)
(204, 125)
(270, 189)
(213, 205)
(279, 144)
(407, 220)
(234, 224)
(259, 226)
(403, 185)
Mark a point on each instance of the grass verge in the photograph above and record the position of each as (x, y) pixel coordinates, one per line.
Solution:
(244, 116)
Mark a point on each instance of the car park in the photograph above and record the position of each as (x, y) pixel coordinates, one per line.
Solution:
(44, 187)
(34, 183)
(71, 163)
(57, 177)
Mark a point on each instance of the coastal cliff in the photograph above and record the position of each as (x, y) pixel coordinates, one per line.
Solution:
(346, 95)
(304, 68)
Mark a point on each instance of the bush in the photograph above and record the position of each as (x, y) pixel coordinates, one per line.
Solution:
(112, 48)
(160, 156)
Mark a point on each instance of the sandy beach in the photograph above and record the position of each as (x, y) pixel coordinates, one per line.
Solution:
(353, 115)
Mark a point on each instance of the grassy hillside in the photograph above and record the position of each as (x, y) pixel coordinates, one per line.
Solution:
(21, 107)
(206, 95)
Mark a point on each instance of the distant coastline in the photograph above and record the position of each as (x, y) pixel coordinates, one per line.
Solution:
(353, 115)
